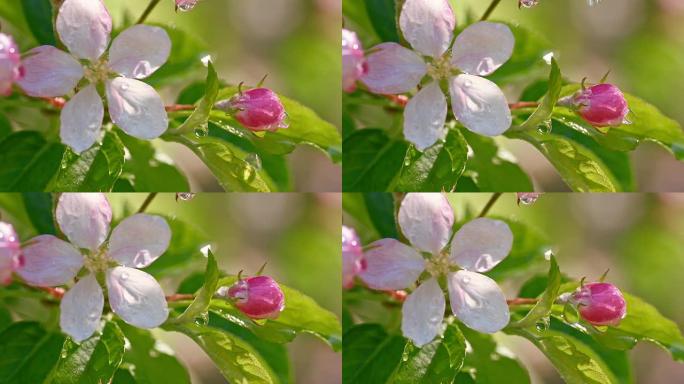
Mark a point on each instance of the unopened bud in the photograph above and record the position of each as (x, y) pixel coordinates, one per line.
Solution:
(600, 303)
(601, 105)
(353, 262)
(258, 109)
(258, 297)
(354, 64)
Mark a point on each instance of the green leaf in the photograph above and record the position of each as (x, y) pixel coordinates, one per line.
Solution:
(12, 12)
(436, 362)
(39, 18)
(95, 170)
(203, 298)
(371, 160)
(39, 209)
(644, 323)
(150, 359)
(200, 116)
(545, 108)
(575, 362)
(29, 162)
(647, 124)
(148, 170)
(5, 127)
(581, 169)
(487, 364)
(237, 360)
(529, 246)
(186, 242)
(5, 318)
(370, 354)
(380, 207)
(301, 315)
(438, 168)
(543, 307)
(93, 361)
(489, 170)
(27, 353)
(382, 14)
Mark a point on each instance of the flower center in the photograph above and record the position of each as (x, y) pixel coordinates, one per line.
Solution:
(441, 68)
(98, 261)
(439, 265)
(97, 72)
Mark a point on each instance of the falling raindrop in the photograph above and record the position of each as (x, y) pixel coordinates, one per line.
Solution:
(528, 3)
(185, 196)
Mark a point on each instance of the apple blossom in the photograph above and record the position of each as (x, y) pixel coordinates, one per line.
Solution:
(353, 262)
(11, 258)
(479, 50)
(136, 242)
(10, 64)
(476, 300)
(84, 26)
(600, 303)
(258, 297)
(354, 64)
(258, 109)
(601, 105)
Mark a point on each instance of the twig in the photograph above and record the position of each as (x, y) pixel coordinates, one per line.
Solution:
(147, 11)
(490, 9)
(521, 301)
(147, 202)
(490, 204)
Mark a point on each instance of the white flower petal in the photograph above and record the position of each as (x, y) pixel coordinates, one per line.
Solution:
(481, 244)
(49, 261)
(81, 120)
(136, 108)
(84, 218)
(479, 105)
(49, 72)
(139, 240)
(84, 27)
(426, 219)
(81, 309)
(423, 312)
(136, 297)
(424, 117)
(477, 301)
(393, 69)
(482, 48)
(391, 265)
(428, 25)
(139, 51)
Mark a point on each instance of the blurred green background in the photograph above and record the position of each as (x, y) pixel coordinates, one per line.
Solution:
(640, 41)
(639, 237)
(298, 235)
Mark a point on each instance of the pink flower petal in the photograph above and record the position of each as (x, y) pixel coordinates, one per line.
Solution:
(136, 108)
(139, 240)
(81, 309)
(84, 27)
(49, 72)
(424, 117)
(477, 301)
(482, 48)
(139, 51)
(81, 120)
(423, 312)
(391, 265)
(426, 220)
(479, 105)
(49, 261)
(136, 297)
(10, 64)
(481, 244)
(393, 69)
(428, 25)
(84, 218)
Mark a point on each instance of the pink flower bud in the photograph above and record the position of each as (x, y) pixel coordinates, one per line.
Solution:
(10, 64)
(600, 303)
(602, 105)
(353, 262)
(258, 109)
(10, 253)
(528, 198)
(258, 297)
(354, 64)
(186, 5)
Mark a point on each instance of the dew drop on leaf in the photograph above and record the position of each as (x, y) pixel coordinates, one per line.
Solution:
(254, 160)
(202, 130)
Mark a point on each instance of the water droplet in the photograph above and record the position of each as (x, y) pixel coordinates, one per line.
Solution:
(254, 160)
(186, 5)
(202, 319)
(466, 279)
(593, 2)
(124, 276)
(548, 254)
(543, 324)
(528, 3)
(545, 127)
(93, 316)
(206, 59)
(202, 130)
(548, 57)
(124, 86)
(141, 259)
(185, 196)
(248, 173)
(64, 354)
(467, 83)
(205, 250)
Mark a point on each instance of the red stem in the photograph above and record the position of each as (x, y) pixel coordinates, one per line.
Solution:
(521, 301)
(59, 102)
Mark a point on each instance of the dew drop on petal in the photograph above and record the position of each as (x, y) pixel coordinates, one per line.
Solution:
(466, 279)
(124, 276)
